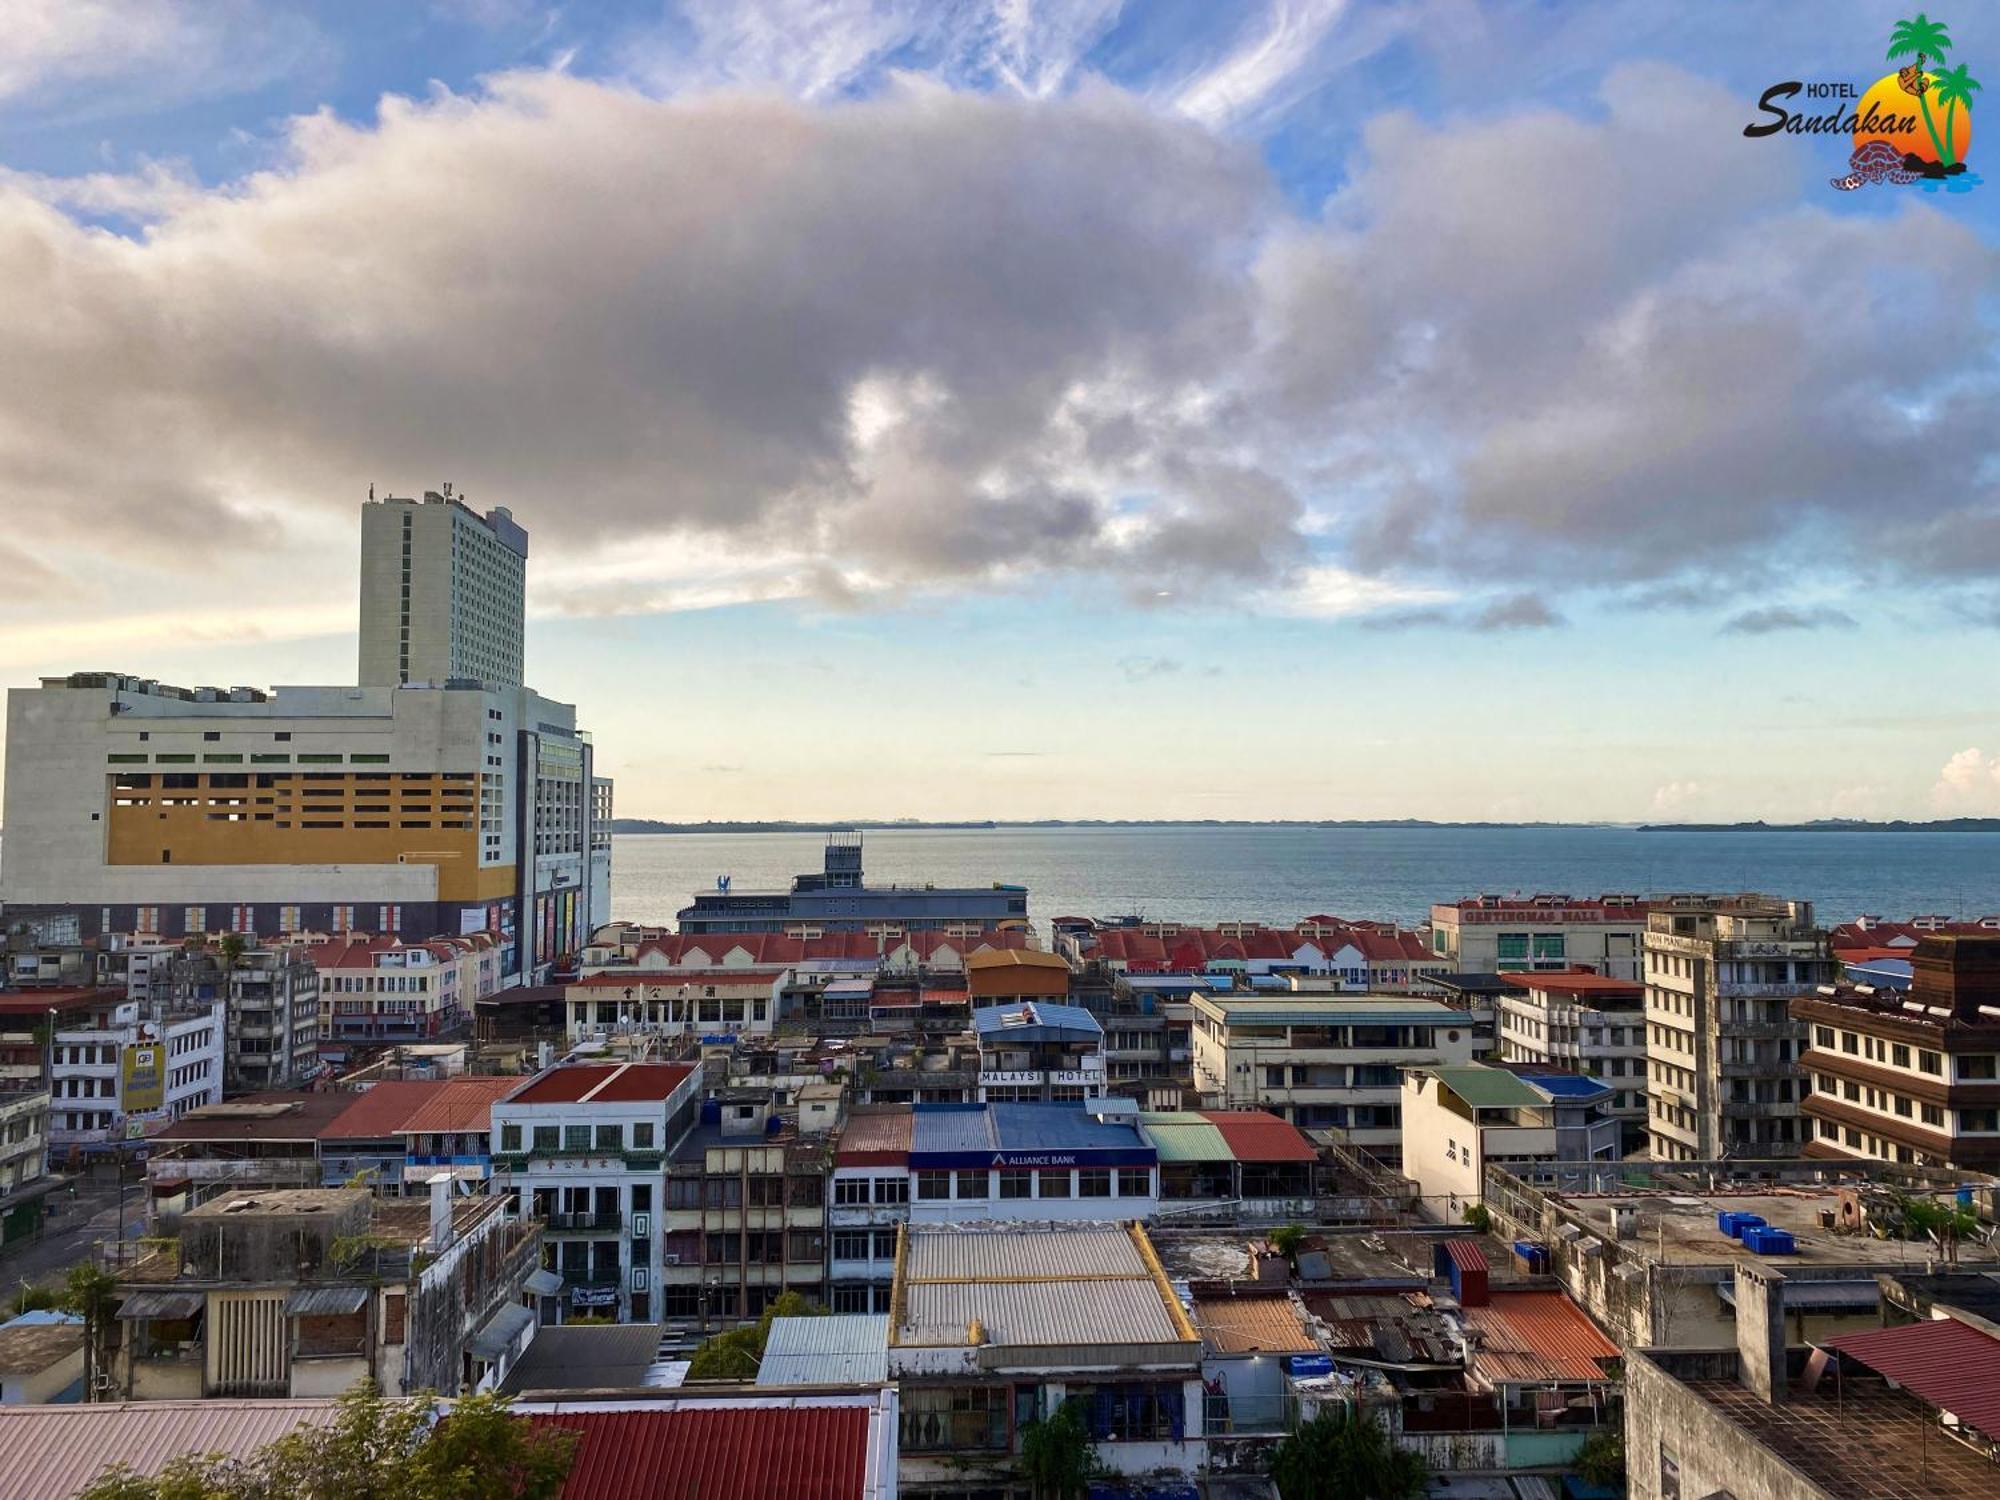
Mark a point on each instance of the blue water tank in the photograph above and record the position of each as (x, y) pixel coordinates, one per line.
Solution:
(1965, 1195)
(1742, 1224)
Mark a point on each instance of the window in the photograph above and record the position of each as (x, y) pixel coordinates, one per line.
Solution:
(1899, 1055)
(932, 1186)
(850, 1190)
(1054, 1184)
(368, 760)
(576, 1138)
(1135, 1412)
(547, 1138)
(1512, 948)
(307, 759)
(1549, 945)
(126, 760)
(222, 760)
(953, 1419)
(642, 1136)
(1979, 1121)
(851, 1244)
(1823, 1037)
(1933, 1115)
(1134, 1182)
(892, 1190)
(1930, 1062)
(510, 1139)
(1850, 1043)
(1017, 1182)
(1093, 1182)
(1976, 1065)
(610, 1138)
(971, 1184)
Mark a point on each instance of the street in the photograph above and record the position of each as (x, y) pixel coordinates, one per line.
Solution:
(80, 1222)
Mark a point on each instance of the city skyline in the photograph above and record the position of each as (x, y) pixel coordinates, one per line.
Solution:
(1434, 411)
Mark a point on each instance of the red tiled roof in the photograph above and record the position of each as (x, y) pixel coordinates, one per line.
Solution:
(1901, 936)
(628, 978)
(459, 1105)
(1526, 1337)
(708, 949)
(637, 1083)
(727, 1453)
(1378, 946)
(381, 1110)
(1575, 983)
(1255, 1135)
(1949, 1364)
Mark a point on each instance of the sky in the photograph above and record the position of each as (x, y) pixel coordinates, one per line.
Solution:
(1288, 409)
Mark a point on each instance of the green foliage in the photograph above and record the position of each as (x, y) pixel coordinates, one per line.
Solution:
(736, 1354)
(1342, 1456)
(1057, 1457)
(35, 1299)
(1923, 36)
(1924, 1217)
(1286, 1241)
(375, 1449)
(1478, 1218)
(1601, 1459)
(231, 946)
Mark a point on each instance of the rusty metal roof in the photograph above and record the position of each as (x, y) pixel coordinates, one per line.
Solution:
(748, 1450)
(52, 1452)
(1949, 1364)
(1252, 1325)
(1522, 1338)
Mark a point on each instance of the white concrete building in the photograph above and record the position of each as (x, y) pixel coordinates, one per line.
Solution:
(1332, 1062)
(1457, 1119)
(135, 807)
(1591, 1023)
(1039, 1051)
(1725, 1076)
(674, 1003)
(121, 1068)
(443, 592)
(582, 1147)
(382, 989)
(1508, 934)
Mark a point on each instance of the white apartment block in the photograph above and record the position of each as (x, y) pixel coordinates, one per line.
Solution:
(443, 592)
(1588, 1023)
(1332, 1062)
(583, 1147)
(382, 989)
(674, 1003)
(131, 1067)
(1507, 934)
(1723, 1051)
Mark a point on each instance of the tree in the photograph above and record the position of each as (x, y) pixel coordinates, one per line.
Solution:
(1601, 1459)
(1057, 1457)
(375, 1449)
(90, 1291)
(1926, 38)
(231, 948)
(1953, 87)
(1286, 1241)
(1341, 1455)
(736, 1354)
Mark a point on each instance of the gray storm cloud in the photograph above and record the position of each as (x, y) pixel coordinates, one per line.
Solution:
(934, 336)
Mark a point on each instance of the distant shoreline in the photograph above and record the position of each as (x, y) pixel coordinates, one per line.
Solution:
(1834, 825)
(653, 825)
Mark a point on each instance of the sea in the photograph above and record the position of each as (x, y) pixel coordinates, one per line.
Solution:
(1279, 873)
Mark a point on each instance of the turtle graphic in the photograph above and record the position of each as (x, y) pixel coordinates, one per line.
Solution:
(1874, 161)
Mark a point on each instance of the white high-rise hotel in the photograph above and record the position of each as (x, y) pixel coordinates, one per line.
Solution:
(442, 592)
(438, 797)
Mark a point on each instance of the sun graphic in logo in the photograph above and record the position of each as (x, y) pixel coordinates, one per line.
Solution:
(1915, 123)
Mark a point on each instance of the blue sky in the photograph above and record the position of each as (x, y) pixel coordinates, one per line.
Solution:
(1029, 409)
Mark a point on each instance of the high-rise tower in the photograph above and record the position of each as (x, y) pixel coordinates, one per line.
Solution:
(443, 591)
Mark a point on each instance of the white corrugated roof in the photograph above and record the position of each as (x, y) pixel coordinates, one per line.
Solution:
(1120, 1311)
(947, 1255)
(839, 1349)
(52, 1452)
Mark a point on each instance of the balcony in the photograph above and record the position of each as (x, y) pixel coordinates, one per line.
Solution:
(605, 1276)
(585, 1223)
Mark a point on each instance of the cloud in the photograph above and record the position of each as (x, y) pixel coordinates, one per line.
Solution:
(1262, 65)
(1968, 783)
(1146, 668)
(1517, 612)
(1525, 611)
(1674, 797)
(1781, 617)
(103, 57)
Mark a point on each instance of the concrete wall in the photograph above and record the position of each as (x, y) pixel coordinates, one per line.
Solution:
(1668, 1424)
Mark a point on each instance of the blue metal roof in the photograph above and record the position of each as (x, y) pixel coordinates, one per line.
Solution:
(1061, 1127)
(1036, 1021)
(939, 1128)
(837, 1349)
(1565, 1085)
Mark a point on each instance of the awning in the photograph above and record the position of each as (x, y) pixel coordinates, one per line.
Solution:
(544, 1283)
(162, 1305)
(326, 1301)
(1825, 1295)
(498, 1332)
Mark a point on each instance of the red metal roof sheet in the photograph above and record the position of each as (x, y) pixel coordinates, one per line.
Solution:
(1258, 1135)
(875, 1137)
(564, 1085)
(381, 1109)
(638, 1083)
(1529, 1337)
(462, 1104)
(1949, 1364)
(728, 1453)
(1576, 983)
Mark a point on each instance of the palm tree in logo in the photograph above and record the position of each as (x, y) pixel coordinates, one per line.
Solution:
(1927, 39)
(1953, 87)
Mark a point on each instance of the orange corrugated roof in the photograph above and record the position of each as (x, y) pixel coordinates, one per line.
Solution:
(382, 1109)
(461, 1104)
(1252, 1325)
(1526, 1337)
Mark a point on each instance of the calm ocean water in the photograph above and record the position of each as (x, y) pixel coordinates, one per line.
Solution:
(1279, 874)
